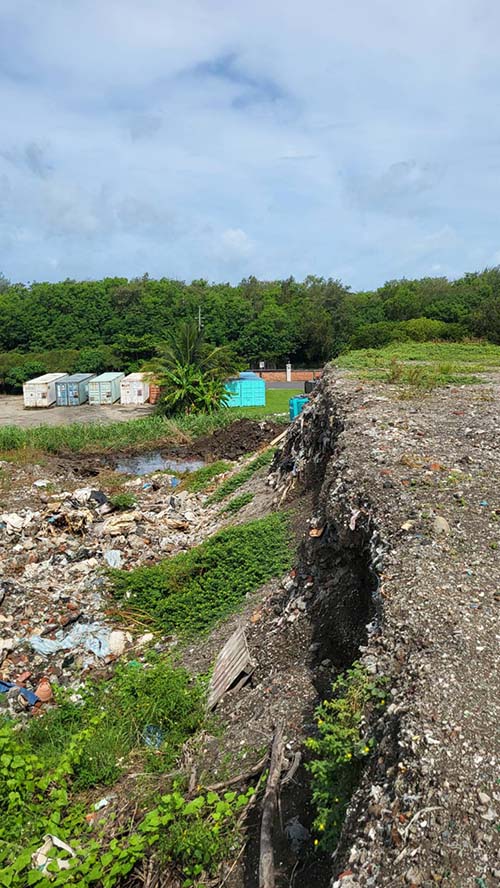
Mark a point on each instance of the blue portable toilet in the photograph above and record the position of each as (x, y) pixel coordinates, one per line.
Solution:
(248, 390)
(297, 405)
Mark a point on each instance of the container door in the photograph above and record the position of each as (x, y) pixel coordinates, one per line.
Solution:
(30, 396)
(73, 394)
(106, 393)
(62, 395)
(94, 392)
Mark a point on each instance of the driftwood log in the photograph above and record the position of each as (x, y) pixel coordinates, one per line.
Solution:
(266, 860)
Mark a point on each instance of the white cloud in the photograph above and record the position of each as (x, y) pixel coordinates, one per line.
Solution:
(213, 139)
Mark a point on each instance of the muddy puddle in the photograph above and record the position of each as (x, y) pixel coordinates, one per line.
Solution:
(145, 463)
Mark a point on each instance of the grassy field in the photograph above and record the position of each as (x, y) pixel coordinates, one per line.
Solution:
(424, 365)
(151, 431)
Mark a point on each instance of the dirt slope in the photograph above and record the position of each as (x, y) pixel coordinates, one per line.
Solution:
(426, 473)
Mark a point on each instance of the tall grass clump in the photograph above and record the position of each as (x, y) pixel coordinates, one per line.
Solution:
(190, 592)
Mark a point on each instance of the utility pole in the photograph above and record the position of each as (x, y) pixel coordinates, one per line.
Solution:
(200, 319)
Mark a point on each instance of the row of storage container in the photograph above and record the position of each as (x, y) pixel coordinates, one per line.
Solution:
(247, 390)
(72, 390)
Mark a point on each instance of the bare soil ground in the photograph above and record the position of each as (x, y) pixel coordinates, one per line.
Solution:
(12, 412)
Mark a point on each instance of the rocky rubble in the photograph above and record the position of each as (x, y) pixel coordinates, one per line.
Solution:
(422, 479)
(55, 548)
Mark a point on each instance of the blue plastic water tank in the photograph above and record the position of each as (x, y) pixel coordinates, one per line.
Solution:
(297, 405)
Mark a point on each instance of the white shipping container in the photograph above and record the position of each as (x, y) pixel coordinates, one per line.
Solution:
(134, 389)
(41, 391)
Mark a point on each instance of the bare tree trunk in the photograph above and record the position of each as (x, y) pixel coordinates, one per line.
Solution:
(266, 862)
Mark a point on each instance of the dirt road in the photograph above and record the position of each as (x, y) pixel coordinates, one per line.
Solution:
(12, 412)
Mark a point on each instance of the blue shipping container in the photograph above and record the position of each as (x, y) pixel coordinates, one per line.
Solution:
(73, 390)
(297, 405)
(247, 391)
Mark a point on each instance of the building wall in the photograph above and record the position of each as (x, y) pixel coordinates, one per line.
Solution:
(271, 376)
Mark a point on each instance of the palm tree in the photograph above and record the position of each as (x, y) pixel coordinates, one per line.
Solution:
(190, 371)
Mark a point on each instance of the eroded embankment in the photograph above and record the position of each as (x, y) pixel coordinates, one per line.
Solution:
(425, 809)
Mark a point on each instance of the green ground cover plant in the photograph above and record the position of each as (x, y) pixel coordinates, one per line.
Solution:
(148, 710)
(190, 592)
(144, 707)
(340, 747)
(236, 504)
(239, 478)
(198, 480)
(194, 835)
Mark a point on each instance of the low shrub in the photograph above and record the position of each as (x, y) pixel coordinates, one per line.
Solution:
(123, 501)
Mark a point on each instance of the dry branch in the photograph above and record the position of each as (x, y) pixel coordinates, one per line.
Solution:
(266, 862)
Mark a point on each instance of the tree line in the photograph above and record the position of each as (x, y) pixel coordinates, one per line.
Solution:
(117, 323)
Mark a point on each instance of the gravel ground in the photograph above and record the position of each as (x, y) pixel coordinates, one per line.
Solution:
(427, 811)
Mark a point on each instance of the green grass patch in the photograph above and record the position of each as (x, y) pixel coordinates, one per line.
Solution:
(190, 592)
(236, 504)
(143, 715)
(239, 478)
(150, 708)
(424, 365)
(94, 437)
(199, 479)
(340, 747)
(276, 403)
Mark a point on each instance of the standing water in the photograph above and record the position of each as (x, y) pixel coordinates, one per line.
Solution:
(144, 463)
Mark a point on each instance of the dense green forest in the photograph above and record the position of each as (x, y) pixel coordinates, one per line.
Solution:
(116, 323)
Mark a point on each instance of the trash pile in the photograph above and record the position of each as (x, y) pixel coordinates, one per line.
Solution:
(55, 623)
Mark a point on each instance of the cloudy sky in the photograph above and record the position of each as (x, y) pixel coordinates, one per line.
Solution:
(357, 139)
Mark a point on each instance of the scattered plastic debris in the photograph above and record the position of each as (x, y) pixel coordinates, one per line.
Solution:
(41, 858)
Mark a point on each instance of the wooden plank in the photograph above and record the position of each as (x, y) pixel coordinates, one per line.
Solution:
(233, 660)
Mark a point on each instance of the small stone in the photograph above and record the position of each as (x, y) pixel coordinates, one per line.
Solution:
(117, 642)
(483, 798)
(413, 877)
(489, 815)
(441, 525)
(314, 647)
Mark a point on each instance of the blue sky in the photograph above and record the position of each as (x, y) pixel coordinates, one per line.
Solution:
(209, 138)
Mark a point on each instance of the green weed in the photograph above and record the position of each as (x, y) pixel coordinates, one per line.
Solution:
(199, 479)
(239, 502)
(154, 697)
(423, 365)
(240, 478)
(193, 835)
(340, 748)
(123, 501)
(190, 592)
